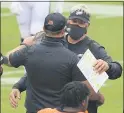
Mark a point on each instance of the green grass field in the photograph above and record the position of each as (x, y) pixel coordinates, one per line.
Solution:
(106, 31)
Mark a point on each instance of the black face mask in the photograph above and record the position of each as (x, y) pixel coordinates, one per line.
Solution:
(75, 31)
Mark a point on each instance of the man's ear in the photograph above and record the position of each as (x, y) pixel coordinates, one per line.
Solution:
(84, 106)
(84, 102)
(87, 25)
(68, 21)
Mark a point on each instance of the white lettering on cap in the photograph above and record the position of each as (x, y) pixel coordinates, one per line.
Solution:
(80, 9)
(79, 12)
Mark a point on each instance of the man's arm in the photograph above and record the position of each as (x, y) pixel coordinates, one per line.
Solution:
(17, 88)
(21, 84)
(16, 57)
(15, 94)
(115, 69)
(105, 62)
(26, 43)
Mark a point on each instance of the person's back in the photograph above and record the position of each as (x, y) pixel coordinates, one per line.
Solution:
(50, 66)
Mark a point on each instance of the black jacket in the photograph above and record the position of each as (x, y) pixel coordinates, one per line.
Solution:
(99, 52)
(49, 66)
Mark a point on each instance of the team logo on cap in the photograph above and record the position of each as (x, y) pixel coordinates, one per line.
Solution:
(79, 12)
(50, 22)
(80, 9)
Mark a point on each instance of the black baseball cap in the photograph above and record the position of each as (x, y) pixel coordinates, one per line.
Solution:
(78, 12)
(54, 22)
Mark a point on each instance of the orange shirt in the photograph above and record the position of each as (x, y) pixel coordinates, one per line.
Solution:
(50, 110)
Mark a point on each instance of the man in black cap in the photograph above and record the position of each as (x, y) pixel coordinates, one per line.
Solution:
(49, 65)
(79, 42)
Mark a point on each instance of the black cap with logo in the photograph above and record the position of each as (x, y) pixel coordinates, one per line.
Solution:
(80, 12)
(54, 22)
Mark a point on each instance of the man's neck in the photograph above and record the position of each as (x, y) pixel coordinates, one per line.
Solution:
(70, 40)
(55, 36)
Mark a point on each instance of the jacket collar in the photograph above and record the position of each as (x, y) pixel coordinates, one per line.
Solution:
(53, 41)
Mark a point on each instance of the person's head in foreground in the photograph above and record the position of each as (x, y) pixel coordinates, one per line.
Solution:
(79, 20)
(54, 25)
(74, 99)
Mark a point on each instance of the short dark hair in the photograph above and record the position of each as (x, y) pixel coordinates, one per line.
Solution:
(73, 94)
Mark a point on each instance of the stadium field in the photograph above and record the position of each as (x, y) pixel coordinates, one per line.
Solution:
(108, 31)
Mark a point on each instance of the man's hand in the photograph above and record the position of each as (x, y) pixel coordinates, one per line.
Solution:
(14, 97)
(29, 41)
(100, 66)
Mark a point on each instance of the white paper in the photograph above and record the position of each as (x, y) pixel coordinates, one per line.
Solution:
(86, 66)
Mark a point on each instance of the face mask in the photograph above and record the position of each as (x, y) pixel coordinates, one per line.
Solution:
(76, 32)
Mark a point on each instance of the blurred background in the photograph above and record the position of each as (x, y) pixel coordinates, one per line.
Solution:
(106, 28)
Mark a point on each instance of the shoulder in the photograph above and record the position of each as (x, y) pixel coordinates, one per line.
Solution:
(73, 58)
(39, 36)
(25, 49)
(32, 48)
(68, 56)
(70, 53)
(98, 50)
(94, 44)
